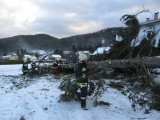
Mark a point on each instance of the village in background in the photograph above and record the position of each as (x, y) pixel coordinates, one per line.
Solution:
(149, 29)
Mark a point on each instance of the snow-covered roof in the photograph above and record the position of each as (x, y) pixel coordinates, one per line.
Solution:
(101, 50)
(79, 52)
(27, 56)
(6, 57)
(149, 22)
(56, 56)
(47, 57)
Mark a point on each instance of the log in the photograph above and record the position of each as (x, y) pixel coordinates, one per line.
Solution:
(150, 62)
(142, 63)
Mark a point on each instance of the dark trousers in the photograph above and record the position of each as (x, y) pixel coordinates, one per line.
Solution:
(83, 96)
(24, 73)
(33, 70)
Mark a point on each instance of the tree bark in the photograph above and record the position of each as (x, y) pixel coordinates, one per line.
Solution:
(150, 62)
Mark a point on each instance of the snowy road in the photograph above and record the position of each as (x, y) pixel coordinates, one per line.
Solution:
(37, 99)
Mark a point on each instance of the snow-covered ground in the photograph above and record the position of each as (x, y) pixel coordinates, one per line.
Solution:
(37, 98)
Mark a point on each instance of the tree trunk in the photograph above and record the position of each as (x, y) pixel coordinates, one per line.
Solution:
(150, 62)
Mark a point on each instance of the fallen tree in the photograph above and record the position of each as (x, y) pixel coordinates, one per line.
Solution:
(150, 62)
(140, 87)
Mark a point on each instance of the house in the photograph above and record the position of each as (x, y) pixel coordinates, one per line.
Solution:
(51, 57)
(5, 57)
(149, 27)
(14, 57)
(27, 57)
(56, 57)
(30, 58)
(34, 58)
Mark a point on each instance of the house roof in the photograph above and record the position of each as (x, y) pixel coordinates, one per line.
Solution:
(56, 56)
(79, 52)
(46, 57)
(27, 56)
(149, 22)
(101, 50)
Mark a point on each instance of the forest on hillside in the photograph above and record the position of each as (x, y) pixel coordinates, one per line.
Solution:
(49, 43)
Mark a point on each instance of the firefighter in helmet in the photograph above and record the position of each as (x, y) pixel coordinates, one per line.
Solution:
(82, 78)
(33, 67)
(25, 67)
(55, 67)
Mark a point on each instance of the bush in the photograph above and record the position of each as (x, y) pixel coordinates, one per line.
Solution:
(8, 62)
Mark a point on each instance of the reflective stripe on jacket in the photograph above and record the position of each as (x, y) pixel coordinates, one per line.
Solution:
(24, 70)
(82, 84)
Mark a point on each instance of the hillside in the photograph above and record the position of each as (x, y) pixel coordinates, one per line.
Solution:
(92, 39)
(47, 42)
(39, 41)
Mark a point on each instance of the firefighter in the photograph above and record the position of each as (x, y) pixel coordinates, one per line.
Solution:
(82, 79)
(33, 67)
(55, 67)
(25, 67)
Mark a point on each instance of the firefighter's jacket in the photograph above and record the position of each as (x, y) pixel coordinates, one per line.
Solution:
(81, 74)
(25, 68)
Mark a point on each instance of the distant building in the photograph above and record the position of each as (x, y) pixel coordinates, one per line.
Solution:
(14, 57)
(118, 38)
(30, 58)
(5, 57)
(34, 58)
(101, 50)
(56, 57)
(51, 57)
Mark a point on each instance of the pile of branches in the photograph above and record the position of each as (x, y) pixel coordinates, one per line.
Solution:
(142, 90)
(69, 86)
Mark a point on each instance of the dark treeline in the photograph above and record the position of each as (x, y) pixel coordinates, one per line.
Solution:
(47, 42)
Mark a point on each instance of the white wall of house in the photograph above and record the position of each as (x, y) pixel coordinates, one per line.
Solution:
(148, 25)
(157, 37)
(144, 28)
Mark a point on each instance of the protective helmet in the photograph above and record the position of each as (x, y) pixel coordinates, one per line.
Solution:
(82, 57)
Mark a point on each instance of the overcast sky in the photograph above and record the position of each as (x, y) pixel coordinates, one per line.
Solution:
(63, 18)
